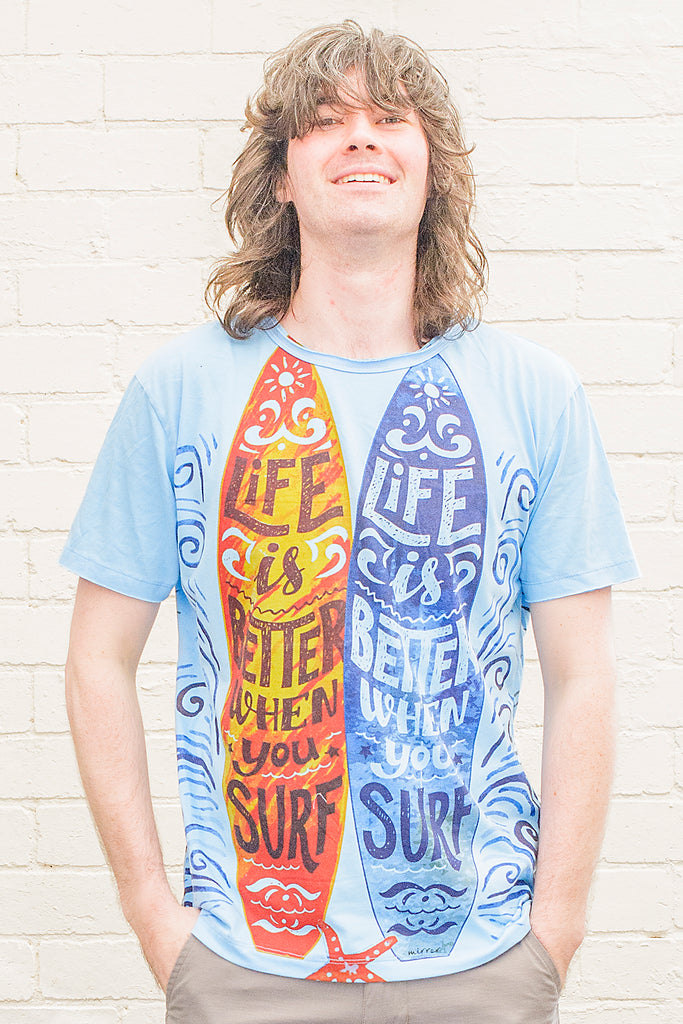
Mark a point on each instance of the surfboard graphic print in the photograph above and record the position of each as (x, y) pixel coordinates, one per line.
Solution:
(413, 696)
(284, 544)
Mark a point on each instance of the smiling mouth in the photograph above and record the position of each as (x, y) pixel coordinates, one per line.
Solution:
(379, 179)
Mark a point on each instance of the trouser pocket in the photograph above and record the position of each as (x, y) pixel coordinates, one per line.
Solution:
(177, 977)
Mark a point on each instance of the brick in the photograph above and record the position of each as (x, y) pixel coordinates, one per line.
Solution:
(12, 27)
(630, 422)
(271, 26)
(48, 580)
(50, 228)
(630, 152)
(64, 362)
(678, 357)
(678, 495)
(16, 700)
(12, 428)
(677, 604)
(528, 286)
(68, 431)
(645, 763)
(523, 153)
(94, 969)
(43, 498)
(33, 635)
(169, 821)
(173, 89)
(124, 294)
(17, 977)
(647, 829)
(529, 742)
(220, 147)
(59, 901)
(49, 702)
(122, 26)
(51, 91)
(132, 348)
(609, 352)
(616, 351)
(649, 695)
(161, 758)
(144, 1013)
(645, 487)
(613, 23)
(660, 1012)
(9, 305)
(54, 1014)
(156, 693)
(118, 158)
(8, 160)
(678, 896)
(623, 969)
(162, 645)
(572, 218)
(35, 767)
(649, 907)
(537, 26)
(530, 708)
(462, 71)
(641, 285)
(17, 836)
(642, 626)
(577, 84)
(67, 836)
(660, 557)
(145, 227)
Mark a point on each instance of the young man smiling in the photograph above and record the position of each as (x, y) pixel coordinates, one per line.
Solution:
(360, 494)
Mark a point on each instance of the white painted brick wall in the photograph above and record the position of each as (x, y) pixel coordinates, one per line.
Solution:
(118, 125)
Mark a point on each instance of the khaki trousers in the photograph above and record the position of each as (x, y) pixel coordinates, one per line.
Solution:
(521, 986)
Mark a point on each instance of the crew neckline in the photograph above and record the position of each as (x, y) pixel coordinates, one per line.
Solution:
(349, 365)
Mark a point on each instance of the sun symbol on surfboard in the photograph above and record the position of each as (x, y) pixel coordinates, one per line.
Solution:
(287, 377)
(432, 390)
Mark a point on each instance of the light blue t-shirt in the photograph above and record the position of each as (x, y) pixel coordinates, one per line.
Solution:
(354, 546)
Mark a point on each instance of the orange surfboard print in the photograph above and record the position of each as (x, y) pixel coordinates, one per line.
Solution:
(284, 544)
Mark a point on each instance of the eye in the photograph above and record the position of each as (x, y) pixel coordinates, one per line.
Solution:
(392, 119)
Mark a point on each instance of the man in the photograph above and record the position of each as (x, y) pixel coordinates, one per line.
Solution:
(359, 492)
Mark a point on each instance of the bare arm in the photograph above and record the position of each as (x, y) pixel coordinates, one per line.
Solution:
(108, 634)
(574, 642)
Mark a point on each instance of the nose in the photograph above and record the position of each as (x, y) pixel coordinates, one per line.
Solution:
(362, 133)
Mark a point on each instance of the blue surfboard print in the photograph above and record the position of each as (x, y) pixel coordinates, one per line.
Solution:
(413, 695)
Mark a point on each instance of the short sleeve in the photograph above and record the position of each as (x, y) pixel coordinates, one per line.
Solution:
(576, 540)
(124, 534)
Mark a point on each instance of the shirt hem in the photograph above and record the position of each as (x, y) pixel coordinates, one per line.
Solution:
(595, 579)
(302, 969)
(113, 579)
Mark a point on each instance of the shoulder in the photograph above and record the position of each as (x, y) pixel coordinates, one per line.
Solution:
(205, 357)
(504, 351)
(187, 352)
(510, 367)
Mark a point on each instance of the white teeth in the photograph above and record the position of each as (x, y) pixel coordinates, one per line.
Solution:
(379, 178)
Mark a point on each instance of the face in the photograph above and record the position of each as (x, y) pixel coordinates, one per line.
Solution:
(359, 173)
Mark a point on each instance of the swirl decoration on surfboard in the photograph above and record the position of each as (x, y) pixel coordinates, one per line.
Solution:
(283, 553)
(508, 860)
(413, 692)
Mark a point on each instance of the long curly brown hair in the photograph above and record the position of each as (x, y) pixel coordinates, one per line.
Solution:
(259, 279)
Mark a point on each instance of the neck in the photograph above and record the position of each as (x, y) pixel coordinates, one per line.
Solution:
(353, 308)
